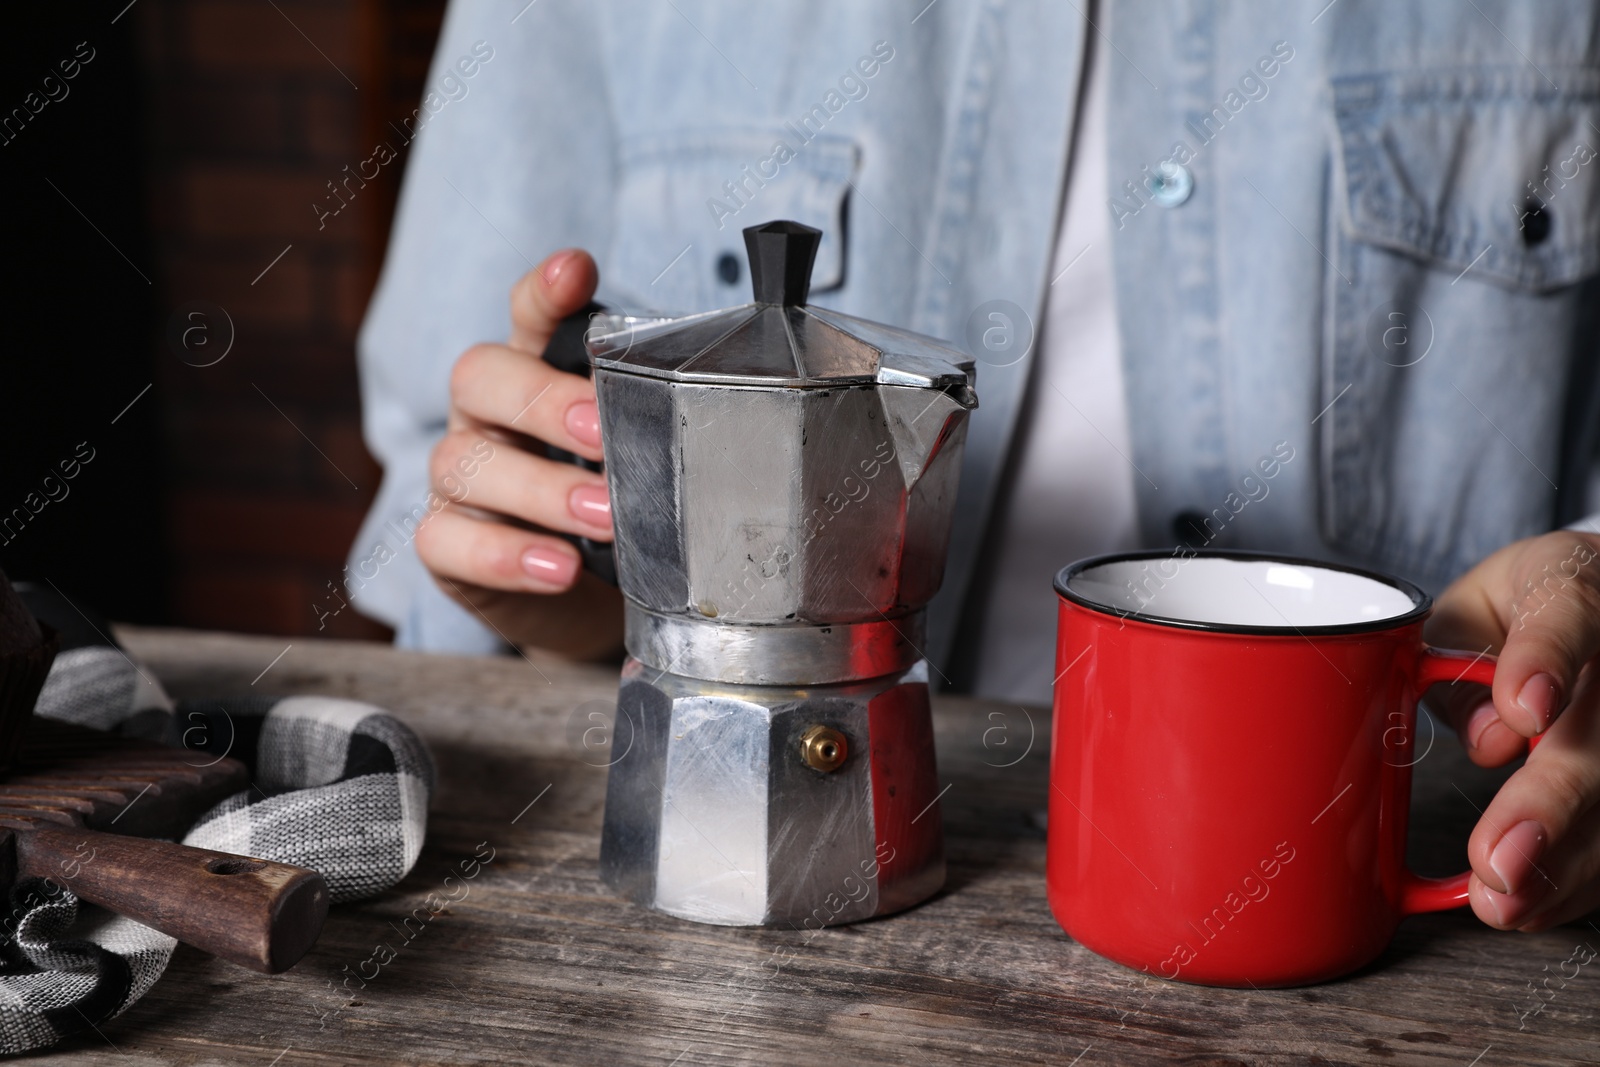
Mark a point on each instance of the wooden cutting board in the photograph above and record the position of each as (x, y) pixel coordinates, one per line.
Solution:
(79, 807)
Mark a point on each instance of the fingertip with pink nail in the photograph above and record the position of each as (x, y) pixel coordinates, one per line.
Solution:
(557, 264)
(1516, 857)
(1539, 699)
(1478, 723)
(591, 504)
(549, 566)
(583, 422)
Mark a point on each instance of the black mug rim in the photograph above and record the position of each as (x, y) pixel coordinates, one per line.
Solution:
(1421, 602)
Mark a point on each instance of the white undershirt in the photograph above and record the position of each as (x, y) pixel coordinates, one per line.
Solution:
(1072, 489)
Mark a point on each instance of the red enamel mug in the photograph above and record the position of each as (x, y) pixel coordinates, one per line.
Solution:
(1230, 769)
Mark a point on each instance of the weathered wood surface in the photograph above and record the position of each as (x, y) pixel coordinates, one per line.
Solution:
(536, 963)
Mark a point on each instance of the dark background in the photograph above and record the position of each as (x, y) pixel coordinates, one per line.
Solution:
(184, 157)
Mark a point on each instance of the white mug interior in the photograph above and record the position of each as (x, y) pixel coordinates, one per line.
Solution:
(1256, 593)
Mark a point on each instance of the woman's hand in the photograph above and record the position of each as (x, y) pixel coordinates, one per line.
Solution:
(1536, 851)
(491, 547)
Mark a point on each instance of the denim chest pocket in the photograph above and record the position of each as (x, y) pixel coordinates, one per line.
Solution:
(1464, 238)
(683, 201)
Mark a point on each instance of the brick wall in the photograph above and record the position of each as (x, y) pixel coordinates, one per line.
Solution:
(253, 108)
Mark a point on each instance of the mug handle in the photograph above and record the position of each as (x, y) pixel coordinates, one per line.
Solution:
(1417, 893)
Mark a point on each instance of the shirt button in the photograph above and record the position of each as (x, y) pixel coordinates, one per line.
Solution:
(728, 268)
(1535, 223)
(1171, 184)
(1189, 528)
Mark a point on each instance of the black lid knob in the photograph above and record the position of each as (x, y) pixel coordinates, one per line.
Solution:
(781, 255)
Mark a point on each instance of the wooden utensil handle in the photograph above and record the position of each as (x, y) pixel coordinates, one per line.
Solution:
(255, 913)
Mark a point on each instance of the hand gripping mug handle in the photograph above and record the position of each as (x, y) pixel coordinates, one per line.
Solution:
(1419, 894)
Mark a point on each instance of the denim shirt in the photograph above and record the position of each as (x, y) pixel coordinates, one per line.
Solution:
(1364, 235)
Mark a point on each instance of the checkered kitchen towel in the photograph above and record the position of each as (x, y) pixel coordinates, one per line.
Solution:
(340, 787)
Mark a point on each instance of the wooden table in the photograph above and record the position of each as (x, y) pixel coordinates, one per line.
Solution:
(539, 964)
